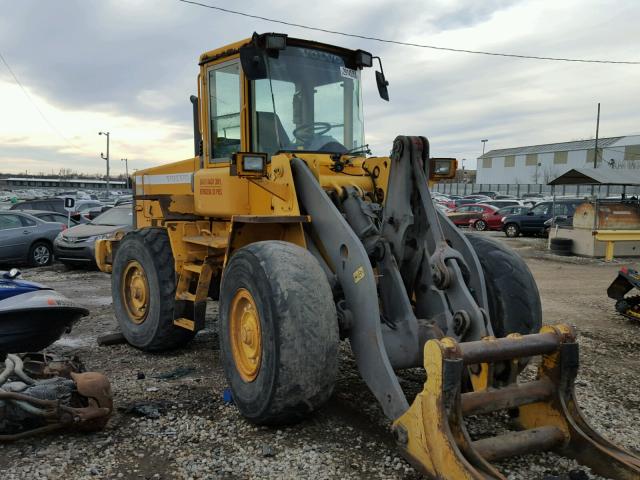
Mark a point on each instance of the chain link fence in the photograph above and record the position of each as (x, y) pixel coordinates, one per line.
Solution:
(517, 190)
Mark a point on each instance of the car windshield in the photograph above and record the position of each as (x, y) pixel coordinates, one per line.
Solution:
(114, 217)
(309, 101)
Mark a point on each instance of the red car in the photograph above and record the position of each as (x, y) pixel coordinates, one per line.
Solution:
(463, 216)
(493, 221)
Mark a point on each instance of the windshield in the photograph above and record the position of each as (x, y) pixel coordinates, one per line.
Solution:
(310, 101)
(114, 217)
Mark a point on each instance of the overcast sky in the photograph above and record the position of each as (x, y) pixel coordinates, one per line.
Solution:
(129, 66)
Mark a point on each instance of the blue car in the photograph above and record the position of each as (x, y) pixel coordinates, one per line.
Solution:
(533, 221)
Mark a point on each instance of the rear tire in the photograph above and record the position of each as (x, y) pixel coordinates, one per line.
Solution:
(40, 254)
(480, 225)
(143, 286)
(293, 368)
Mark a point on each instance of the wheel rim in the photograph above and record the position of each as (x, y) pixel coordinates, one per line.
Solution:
(480, 225)
(135, 292)
(511, 230)
(41, 255)
(245, 335)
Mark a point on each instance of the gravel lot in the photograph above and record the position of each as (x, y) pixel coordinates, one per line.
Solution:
(196, 435)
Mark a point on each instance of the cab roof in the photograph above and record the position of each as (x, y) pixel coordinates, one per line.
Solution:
(233, 48)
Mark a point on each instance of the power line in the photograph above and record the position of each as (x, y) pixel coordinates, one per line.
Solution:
(35, 105)
(408, 44)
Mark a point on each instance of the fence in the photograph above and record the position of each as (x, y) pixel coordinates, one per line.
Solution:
(517, 190)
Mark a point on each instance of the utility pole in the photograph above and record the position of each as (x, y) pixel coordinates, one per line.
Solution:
(484, 142)
(106, 158)
(126, 169)
(595, 153)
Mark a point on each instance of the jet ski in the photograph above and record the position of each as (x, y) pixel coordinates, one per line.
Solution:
(32, 316)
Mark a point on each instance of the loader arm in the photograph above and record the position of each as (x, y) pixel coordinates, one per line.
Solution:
(394, 337)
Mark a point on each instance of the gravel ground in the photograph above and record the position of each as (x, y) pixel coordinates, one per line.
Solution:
(196, 435)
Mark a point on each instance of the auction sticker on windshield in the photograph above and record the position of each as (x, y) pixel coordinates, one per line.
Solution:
(348, 73)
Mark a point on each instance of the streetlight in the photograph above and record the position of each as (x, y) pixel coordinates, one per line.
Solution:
(106, 158)
(126, 169)
(484, 142)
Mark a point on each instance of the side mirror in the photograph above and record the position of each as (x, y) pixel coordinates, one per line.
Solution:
(382, 83)
(382, 86)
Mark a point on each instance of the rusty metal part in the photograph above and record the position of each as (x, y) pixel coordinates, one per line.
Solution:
(432, 433)
(77, 400)
(512, 396)
(519, 443)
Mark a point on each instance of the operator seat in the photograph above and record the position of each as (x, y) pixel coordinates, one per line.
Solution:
(268, 124)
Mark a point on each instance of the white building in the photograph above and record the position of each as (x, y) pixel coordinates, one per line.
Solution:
(541, 163)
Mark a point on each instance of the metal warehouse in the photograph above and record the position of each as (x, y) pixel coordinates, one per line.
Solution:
(541, 163)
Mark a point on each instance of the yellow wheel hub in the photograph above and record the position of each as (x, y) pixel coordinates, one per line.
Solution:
(245, 335)
(135, 292)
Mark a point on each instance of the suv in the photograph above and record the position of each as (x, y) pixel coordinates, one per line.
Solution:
(532, 222)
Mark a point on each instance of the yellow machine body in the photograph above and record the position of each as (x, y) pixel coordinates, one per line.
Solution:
(212, 207)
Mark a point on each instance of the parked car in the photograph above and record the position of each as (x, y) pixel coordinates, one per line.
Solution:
(489, 194)
(469, 199)
(462, 215)
(25, 238)
(52, 217)
(493, 221)
(56, 204)
(503, 203)
(76, 245)
(532, 222)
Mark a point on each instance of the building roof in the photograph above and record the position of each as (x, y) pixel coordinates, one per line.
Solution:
(598, 176)
(552, 147)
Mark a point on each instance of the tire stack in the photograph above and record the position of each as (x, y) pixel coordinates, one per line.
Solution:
(562, 246)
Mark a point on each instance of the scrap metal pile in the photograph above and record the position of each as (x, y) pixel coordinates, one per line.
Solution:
(41, 393)
(628, 305)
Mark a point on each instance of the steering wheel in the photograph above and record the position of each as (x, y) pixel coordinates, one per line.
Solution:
(307, 131)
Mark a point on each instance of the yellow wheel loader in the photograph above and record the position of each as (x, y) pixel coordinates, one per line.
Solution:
(305, 239)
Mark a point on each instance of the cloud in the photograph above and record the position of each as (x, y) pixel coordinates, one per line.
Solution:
(129, 66)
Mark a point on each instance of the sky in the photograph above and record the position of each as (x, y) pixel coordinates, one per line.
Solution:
(129, 67)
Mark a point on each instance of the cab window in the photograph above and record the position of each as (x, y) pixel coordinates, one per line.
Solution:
(224, 111)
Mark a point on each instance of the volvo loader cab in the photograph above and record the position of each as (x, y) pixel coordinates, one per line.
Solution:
(305, 239)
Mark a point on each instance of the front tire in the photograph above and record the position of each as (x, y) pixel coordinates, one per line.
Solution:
(40, 254)
(512, 230)
(512, 293)
(143, 286)
(278, 331)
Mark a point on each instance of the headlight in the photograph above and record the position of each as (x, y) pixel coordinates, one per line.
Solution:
(504, 219)
(93, 238)
(59, 236)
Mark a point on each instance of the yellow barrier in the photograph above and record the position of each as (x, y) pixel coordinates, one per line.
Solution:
(612, 236)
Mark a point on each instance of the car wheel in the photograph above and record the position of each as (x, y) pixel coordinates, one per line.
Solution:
(480, 225)
(40, 254)
(512, 230)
